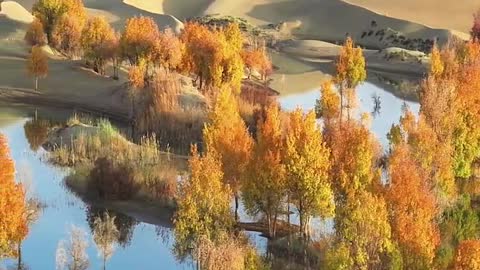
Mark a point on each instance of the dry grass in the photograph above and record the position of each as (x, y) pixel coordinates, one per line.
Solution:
(160, 114)
(119, 169)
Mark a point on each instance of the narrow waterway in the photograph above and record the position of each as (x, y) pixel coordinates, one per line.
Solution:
(144, 246)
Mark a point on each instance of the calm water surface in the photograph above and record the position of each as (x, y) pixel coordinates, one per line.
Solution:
(389, 113)
(146, 250)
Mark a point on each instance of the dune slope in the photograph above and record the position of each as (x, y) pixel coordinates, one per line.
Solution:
(328, 20)
(455, 15)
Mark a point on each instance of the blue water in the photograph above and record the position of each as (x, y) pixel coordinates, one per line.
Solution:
(390, 111)
(147, 250)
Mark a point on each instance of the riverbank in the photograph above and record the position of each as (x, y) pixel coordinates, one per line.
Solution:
(302, 65)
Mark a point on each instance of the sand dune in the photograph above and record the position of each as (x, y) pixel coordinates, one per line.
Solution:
(326, 19)
(122, 11)
(448, 14)
(153, 6)
(181, 9)
(13, 21)
(15, 12)
(117, 11)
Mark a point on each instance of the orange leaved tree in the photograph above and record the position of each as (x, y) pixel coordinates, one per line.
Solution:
(413, 209)
(37, 64)
(35, 34)
(139, 38)
(13, 216)
(227, 135)
(468, 255)
(264, 189)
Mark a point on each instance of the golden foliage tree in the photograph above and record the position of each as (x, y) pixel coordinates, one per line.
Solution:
(227, 135)
(13, 209)
(413, 209)
(168, 50)
(436, 63)
(37, 64)
(203, 203)
(307, 164)
(433, 156)
(468, 255)
(350, 72)
(328, 106)
(214, 55)
(228, 254)
(49, 13)
(75, 8)
(35, 34)
(264, 189)
(98, 39)
(66, 35)
(355, 153)
(257, 60)
(366, 231)
(138, 39)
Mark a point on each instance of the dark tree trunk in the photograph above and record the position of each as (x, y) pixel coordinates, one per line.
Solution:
(236, 207)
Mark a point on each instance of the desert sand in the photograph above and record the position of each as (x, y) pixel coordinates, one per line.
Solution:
(301, 64)
(456, 15)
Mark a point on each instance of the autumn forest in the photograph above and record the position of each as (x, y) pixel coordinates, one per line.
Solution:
(317, 185)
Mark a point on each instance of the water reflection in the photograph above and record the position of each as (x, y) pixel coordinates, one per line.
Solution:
(125, 224)
(36, 132)
(392, 107)
(377, 105)
(139, 244)
(72, 254)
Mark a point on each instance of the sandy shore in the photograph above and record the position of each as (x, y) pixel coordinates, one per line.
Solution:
(302, 65)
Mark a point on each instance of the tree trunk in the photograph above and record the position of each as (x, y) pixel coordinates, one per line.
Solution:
(288, 210)
(288, 219)
(36, 83)
(269, 225)
(20, 264)
(341, 104)
(274, 231)
(302, 222)
(104, 263)
(307, 227)
(236, 207)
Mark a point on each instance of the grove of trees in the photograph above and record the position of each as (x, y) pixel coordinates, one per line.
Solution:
(406, 208)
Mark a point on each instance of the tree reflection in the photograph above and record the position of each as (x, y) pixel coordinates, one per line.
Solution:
(72, 254)
(105, 235)
(377, 105)
(125, 224)
(36, 132)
